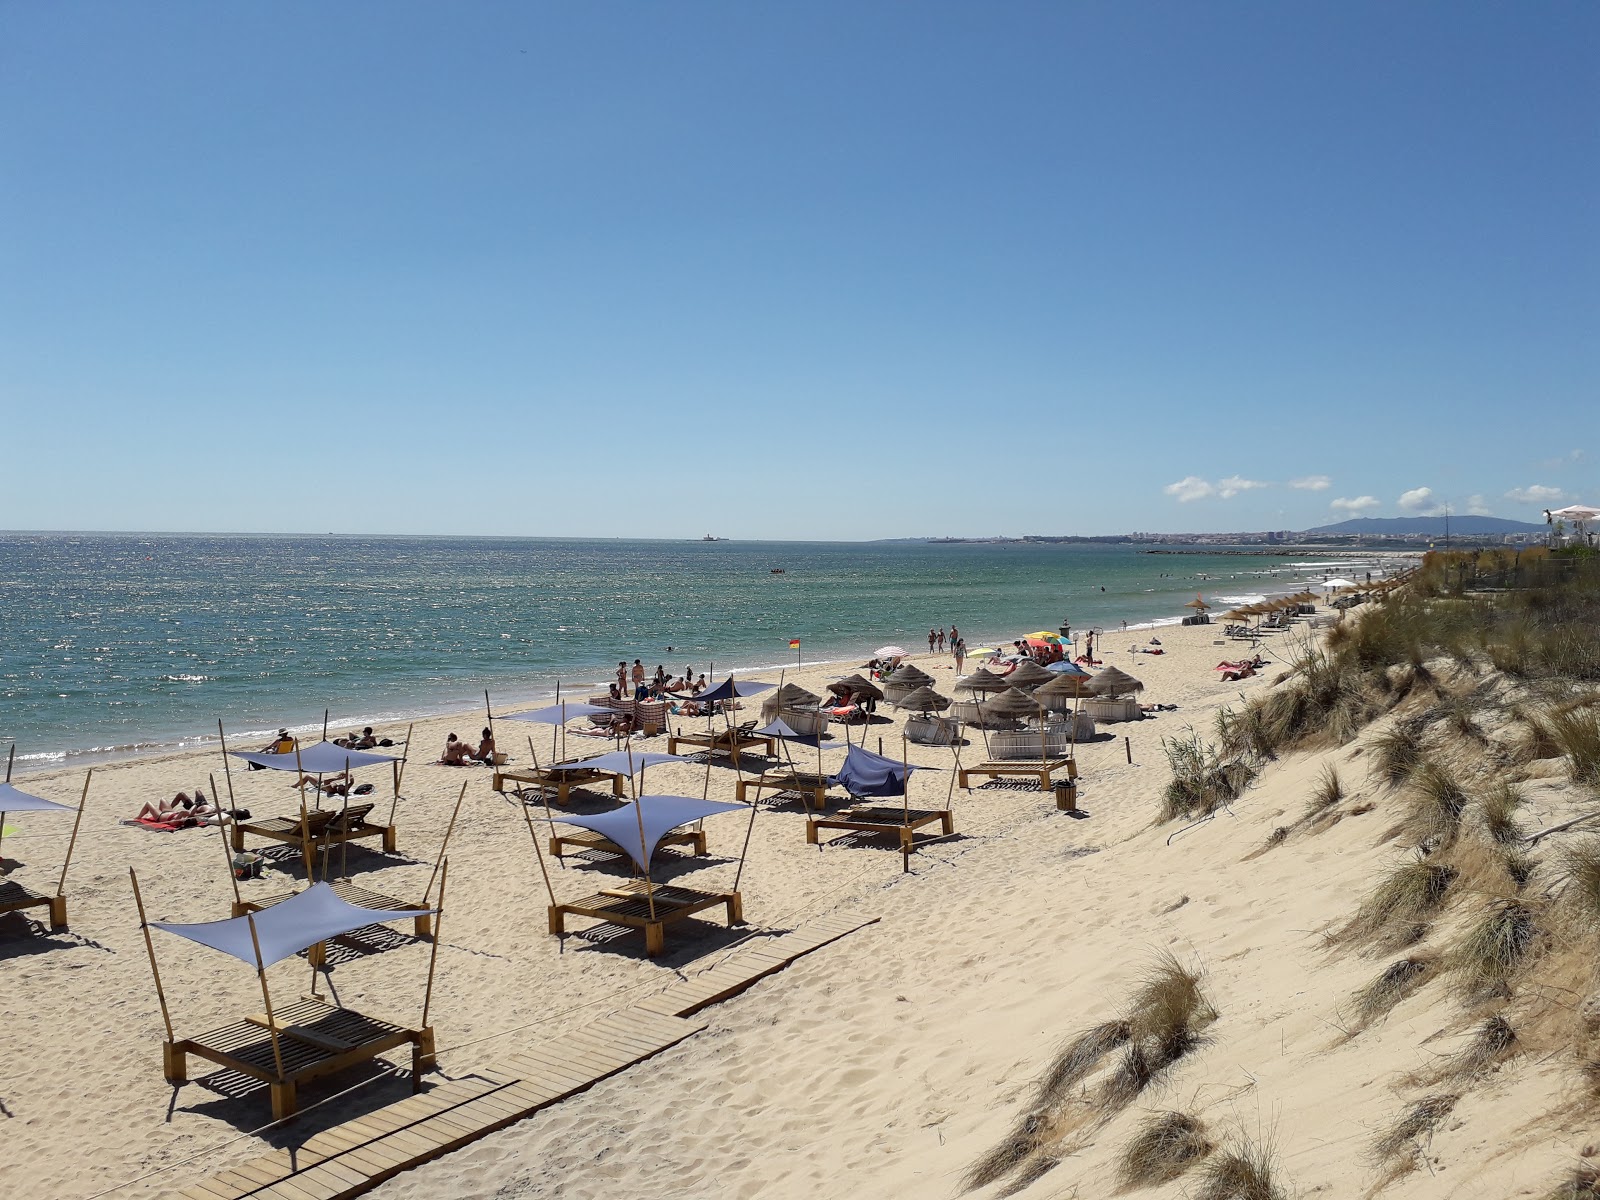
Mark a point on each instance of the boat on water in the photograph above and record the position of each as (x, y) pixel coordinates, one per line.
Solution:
(711, 537)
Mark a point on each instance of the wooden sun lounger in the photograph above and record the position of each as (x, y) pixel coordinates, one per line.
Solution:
(326, 827)
(588, 839)
(626, 905)
(786, 781)
(1040, 768)
(314, 1038)
(14, 897)
(883, 819)
(730, 742)
(563, 780)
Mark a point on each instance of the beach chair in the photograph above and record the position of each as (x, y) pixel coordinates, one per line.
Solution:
(1042, 769)
(628, 905)
(315, 830)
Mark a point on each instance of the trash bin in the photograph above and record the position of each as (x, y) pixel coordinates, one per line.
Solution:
(1066, 795)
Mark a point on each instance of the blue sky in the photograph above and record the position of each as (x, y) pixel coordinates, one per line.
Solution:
(825, 270)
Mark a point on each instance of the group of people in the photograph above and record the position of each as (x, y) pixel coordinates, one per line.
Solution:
(458, 753)
(631, 682)
(182, 809)
(937, 640)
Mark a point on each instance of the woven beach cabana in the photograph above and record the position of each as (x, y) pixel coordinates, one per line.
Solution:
(1114, 682)
(903, 681)
(789, 697)
(982, 681)
(1028, 676)
(924, 700)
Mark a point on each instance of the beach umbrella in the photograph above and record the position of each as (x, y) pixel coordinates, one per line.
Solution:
(1198, 604)
(981, 681)
(1066, 667)
(890, 652)
(1057, 694)
(974, 651)
(1576, 512)
(792, 695)
(1338, 583)
(1028, 674)
(288, 927)
(1043, 635)
(1013, 703)
(924, 700)
(639, 827)
(1114, 682)
(857, 686)
(908, 674)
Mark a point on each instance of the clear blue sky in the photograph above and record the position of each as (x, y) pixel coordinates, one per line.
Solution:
(809, 270)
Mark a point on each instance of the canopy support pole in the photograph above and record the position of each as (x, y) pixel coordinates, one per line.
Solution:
(438, 921)
(537, 853)
(306, 852)
(647, 851)
(748, 830)
(266, 996)
(150, 949)
(227, 853)
(439, 861)
(61, 884)
(9, 759)
(399, 774)
(227, 771)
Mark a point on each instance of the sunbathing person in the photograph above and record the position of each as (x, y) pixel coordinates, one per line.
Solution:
(485, 753)
(179, 809)
(362, 741)
(456, 752)
(337, 784)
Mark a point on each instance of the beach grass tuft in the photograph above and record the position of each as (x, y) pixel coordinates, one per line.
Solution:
(1014, 1149)
(1494, 947)
(1241, 1172)
(1437, 803)
(1166, 1146)
(1397, 753)
(1499, 807)
(1401, 1145)
(1080, 1056)
(1581, 897)
(1581, 1183)
(1202, 779)
(1328, 792)
(1406, 897)
(1577, 732)
(1165, 1017)
(1397, 981)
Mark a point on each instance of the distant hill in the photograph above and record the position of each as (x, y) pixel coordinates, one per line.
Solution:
(1430, 526)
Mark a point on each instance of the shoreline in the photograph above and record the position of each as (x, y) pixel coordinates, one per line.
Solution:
(520, 699)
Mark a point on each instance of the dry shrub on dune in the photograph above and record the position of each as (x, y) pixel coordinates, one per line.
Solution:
(1401, 1146)
(1166, 1146)
(1397, 753)
(1243, 1171)
(1581, 1183)
(1202, 779)
(1437, 802)
(1397, 981)
(1499, 807)
(1494, 947)
(1400, 904)
(1577, 732)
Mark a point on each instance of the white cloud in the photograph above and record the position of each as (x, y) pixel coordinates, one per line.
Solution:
(1312, 483)
(1357, 506)
(1417, 500)
(1570, 459)
(1234, 484)
(1538, 494)
(1477, 506)
(1190, 487)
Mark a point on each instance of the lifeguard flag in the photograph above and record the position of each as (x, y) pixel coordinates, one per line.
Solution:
(794, 643)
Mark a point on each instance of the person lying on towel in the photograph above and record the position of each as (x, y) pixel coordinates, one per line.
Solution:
(180, 810)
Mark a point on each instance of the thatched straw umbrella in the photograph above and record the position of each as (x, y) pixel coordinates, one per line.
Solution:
(1113, 683)
(908, 673)
(790, 696)
(1198, 604)
(856, 686)
(1028, 676)
(1014, 704)
(924, 700)
(1061, 690)
(982, 681)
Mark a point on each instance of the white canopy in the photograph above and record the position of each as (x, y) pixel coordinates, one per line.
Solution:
(289, 926)
(13, 799)
(620, 762)
(322, 759)
(659, 814)
(557, 714)
(1576, 512)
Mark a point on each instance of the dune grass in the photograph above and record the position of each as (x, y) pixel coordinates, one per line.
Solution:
(1328, 792)
(1401, 1145)
(1499, 806)
(1581, 895)
(1494, 947)
(1406, 897)
(1165, 1018)
(1081, 1056)
(1397, 981)
(1244, 1171)
(1166, 1146)
(1437, 802)
(1577, 732)
(1581, 1183)
(1203, 780)
(1397, 753)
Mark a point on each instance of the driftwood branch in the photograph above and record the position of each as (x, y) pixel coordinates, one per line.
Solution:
(1533, 838)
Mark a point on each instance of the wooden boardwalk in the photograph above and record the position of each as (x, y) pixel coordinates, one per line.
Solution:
(356, 1156)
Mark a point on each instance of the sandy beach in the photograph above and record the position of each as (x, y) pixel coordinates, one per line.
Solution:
(883, 1065)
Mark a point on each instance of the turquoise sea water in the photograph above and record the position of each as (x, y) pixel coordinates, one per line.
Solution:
(117, 643)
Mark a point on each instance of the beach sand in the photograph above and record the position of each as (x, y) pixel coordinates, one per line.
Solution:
(883, 1065)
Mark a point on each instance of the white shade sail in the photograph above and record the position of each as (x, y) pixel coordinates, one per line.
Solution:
(14, 799)
(322, 759)
(659, 816)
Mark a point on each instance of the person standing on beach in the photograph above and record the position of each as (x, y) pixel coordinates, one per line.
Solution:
(931, 635)
(959, 649)
(955, 636)
(941, 641)
(622, 676)
(638, 674)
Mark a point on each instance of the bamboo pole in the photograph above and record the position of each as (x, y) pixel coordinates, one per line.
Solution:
(748, 830)
(227, 851)
(266, 996)
(9, 759)
(344, 843)
(227, 771)
(437, 862)
(646, 852)
(538, 853)
(433, 954)
(324, 724)
(150, 949)
(61, 884)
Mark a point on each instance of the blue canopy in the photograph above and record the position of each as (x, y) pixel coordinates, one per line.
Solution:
(779, 729)
(620, 762)
(728, 689)
(557, 714)
(1067, 668)
(659, 814)
(322, 759)
(13, 799)
(867, 774)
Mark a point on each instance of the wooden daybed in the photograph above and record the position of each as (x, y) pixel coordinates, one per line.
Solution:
(1040, 768)
(561, 779)
(325, 827)
(805, 782)
(728, 741)
(627, 904)
(14, 897)
(902, 822)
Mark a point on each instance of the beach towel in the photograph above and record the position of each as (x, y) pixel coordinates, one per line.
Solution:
(158, 826)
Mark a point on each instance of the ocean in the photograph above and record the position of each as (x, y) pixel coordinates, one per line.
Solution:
(112, 644)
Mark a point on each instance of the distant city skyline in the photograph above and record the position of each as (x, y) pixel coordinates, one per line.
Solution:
(844, 271)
